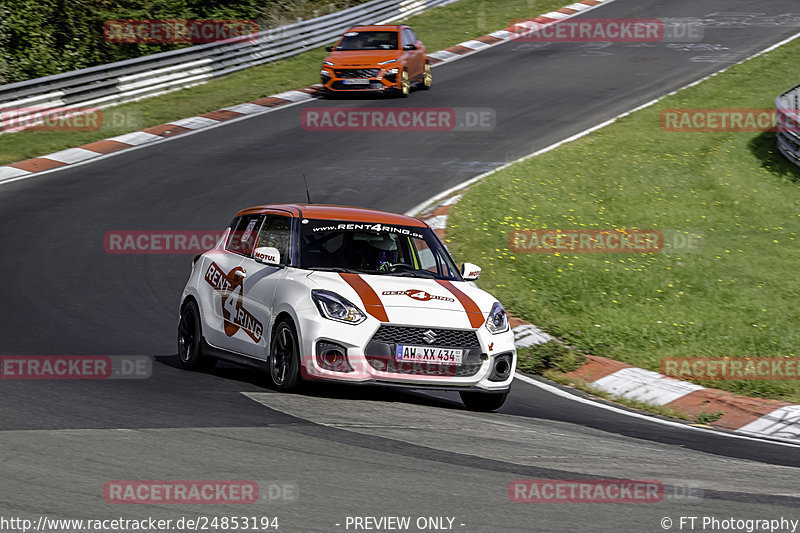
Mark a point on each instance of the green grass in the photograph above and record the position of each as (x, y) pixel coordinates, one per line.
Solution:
(737, 295)
(438, 28)
(551, 355)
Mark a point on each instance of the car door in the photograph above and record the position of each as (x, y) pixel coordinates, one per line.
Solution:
(227, 323)
(262, 280)
(415, 58)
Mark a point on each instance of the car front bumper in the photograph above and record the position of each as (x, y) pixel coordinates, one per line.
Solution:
(369, 348)
(379, 83)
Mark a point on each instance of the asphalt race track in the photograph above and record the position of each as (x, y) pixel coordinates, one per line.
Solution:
(345, 451)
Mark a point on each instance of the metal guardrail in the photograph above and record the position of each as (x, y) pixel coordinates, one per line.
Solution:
(151, 75)
(788, 104)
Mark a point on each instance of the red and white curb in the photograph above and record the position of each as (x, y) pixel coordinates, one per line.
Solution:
(114, 145)
(741, 414)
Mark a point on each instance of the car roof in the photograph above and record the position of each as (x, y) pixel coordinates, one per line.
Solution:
(378, 27)
(336, 212)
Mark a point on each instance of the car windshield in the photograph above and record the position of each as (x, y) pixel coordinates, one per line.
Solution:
(370, 248)
(368, 40)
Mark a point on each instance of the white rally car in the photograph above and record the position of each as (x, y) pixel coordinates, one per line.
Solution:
(318, 292)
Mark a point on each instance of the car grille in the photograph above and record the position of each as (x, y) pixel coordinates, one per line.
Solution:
(373, 86)
(387, 364)
(456, 338)
(357, 72)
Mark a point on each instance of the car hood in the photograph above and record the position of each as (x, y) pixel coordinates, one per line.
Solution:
(362, 58)
(408, 300)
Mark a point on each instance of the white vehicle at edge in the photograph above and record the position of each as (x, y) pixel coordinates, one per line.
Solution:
(316, 292)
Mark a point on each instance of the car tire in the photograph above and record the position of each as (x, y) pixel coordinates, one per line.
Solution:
(483, 401)
(405, 85)
(283, 362)
(190, 340)
(427, 77)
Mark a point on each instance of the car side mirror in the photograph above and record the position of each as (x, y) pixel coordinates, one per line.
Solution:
(409, 47)
(267, 255)
(329, 48)
(470, 272)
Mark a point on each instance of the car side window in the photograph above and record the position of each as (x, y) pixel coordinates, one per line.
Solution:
(412, 37)
(276, 232)
(243, 237)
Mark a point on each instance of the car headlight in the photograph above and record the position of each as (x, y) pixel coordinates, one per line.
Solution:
(325, 73)
(335, 307)
(498, 319)
(328, 63)
(387, 62)
(391, 71)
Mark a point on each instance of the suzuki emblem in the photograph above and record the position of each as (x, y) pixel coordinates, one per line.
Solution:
(429, 336)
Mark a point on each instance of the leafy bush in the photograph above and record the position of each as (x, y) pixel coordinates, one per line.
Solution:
(44, 37)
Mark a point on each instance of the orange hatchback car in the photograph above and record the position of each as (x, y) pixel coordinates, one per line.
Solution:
(376, 59)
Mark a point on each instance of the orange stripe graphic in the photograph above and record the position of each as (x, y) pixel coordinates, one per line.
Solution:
(472, 309)
(372, 303)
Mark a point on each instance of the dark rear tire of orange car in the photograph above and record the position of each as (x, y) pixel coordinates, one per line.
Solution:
(483, 401)
(427, 78)
(190, 340)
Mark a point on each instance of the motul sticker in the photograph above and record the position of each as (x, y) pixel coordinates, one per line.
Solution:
(420, 295)
(230, 287)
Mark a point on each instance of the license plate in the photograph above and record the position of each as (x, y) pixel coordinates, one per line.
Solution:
(356, 82)
(427, 354)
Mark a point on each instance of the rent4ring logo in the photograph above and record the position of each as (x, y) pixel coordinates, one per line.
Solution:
(229, 286)
(391, 119)
(418, 294)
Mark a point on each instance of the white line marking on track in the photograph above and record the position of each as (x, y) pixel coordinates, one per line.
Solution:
(294, 96)
(527, 335)
(558, 392)
(7, 173)
(71, 155)
(783, 423)
(444, 55)
(194, 123)
(247, 109)
(645, 386)
(137, 138)
(437, 222)
(475, 45)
